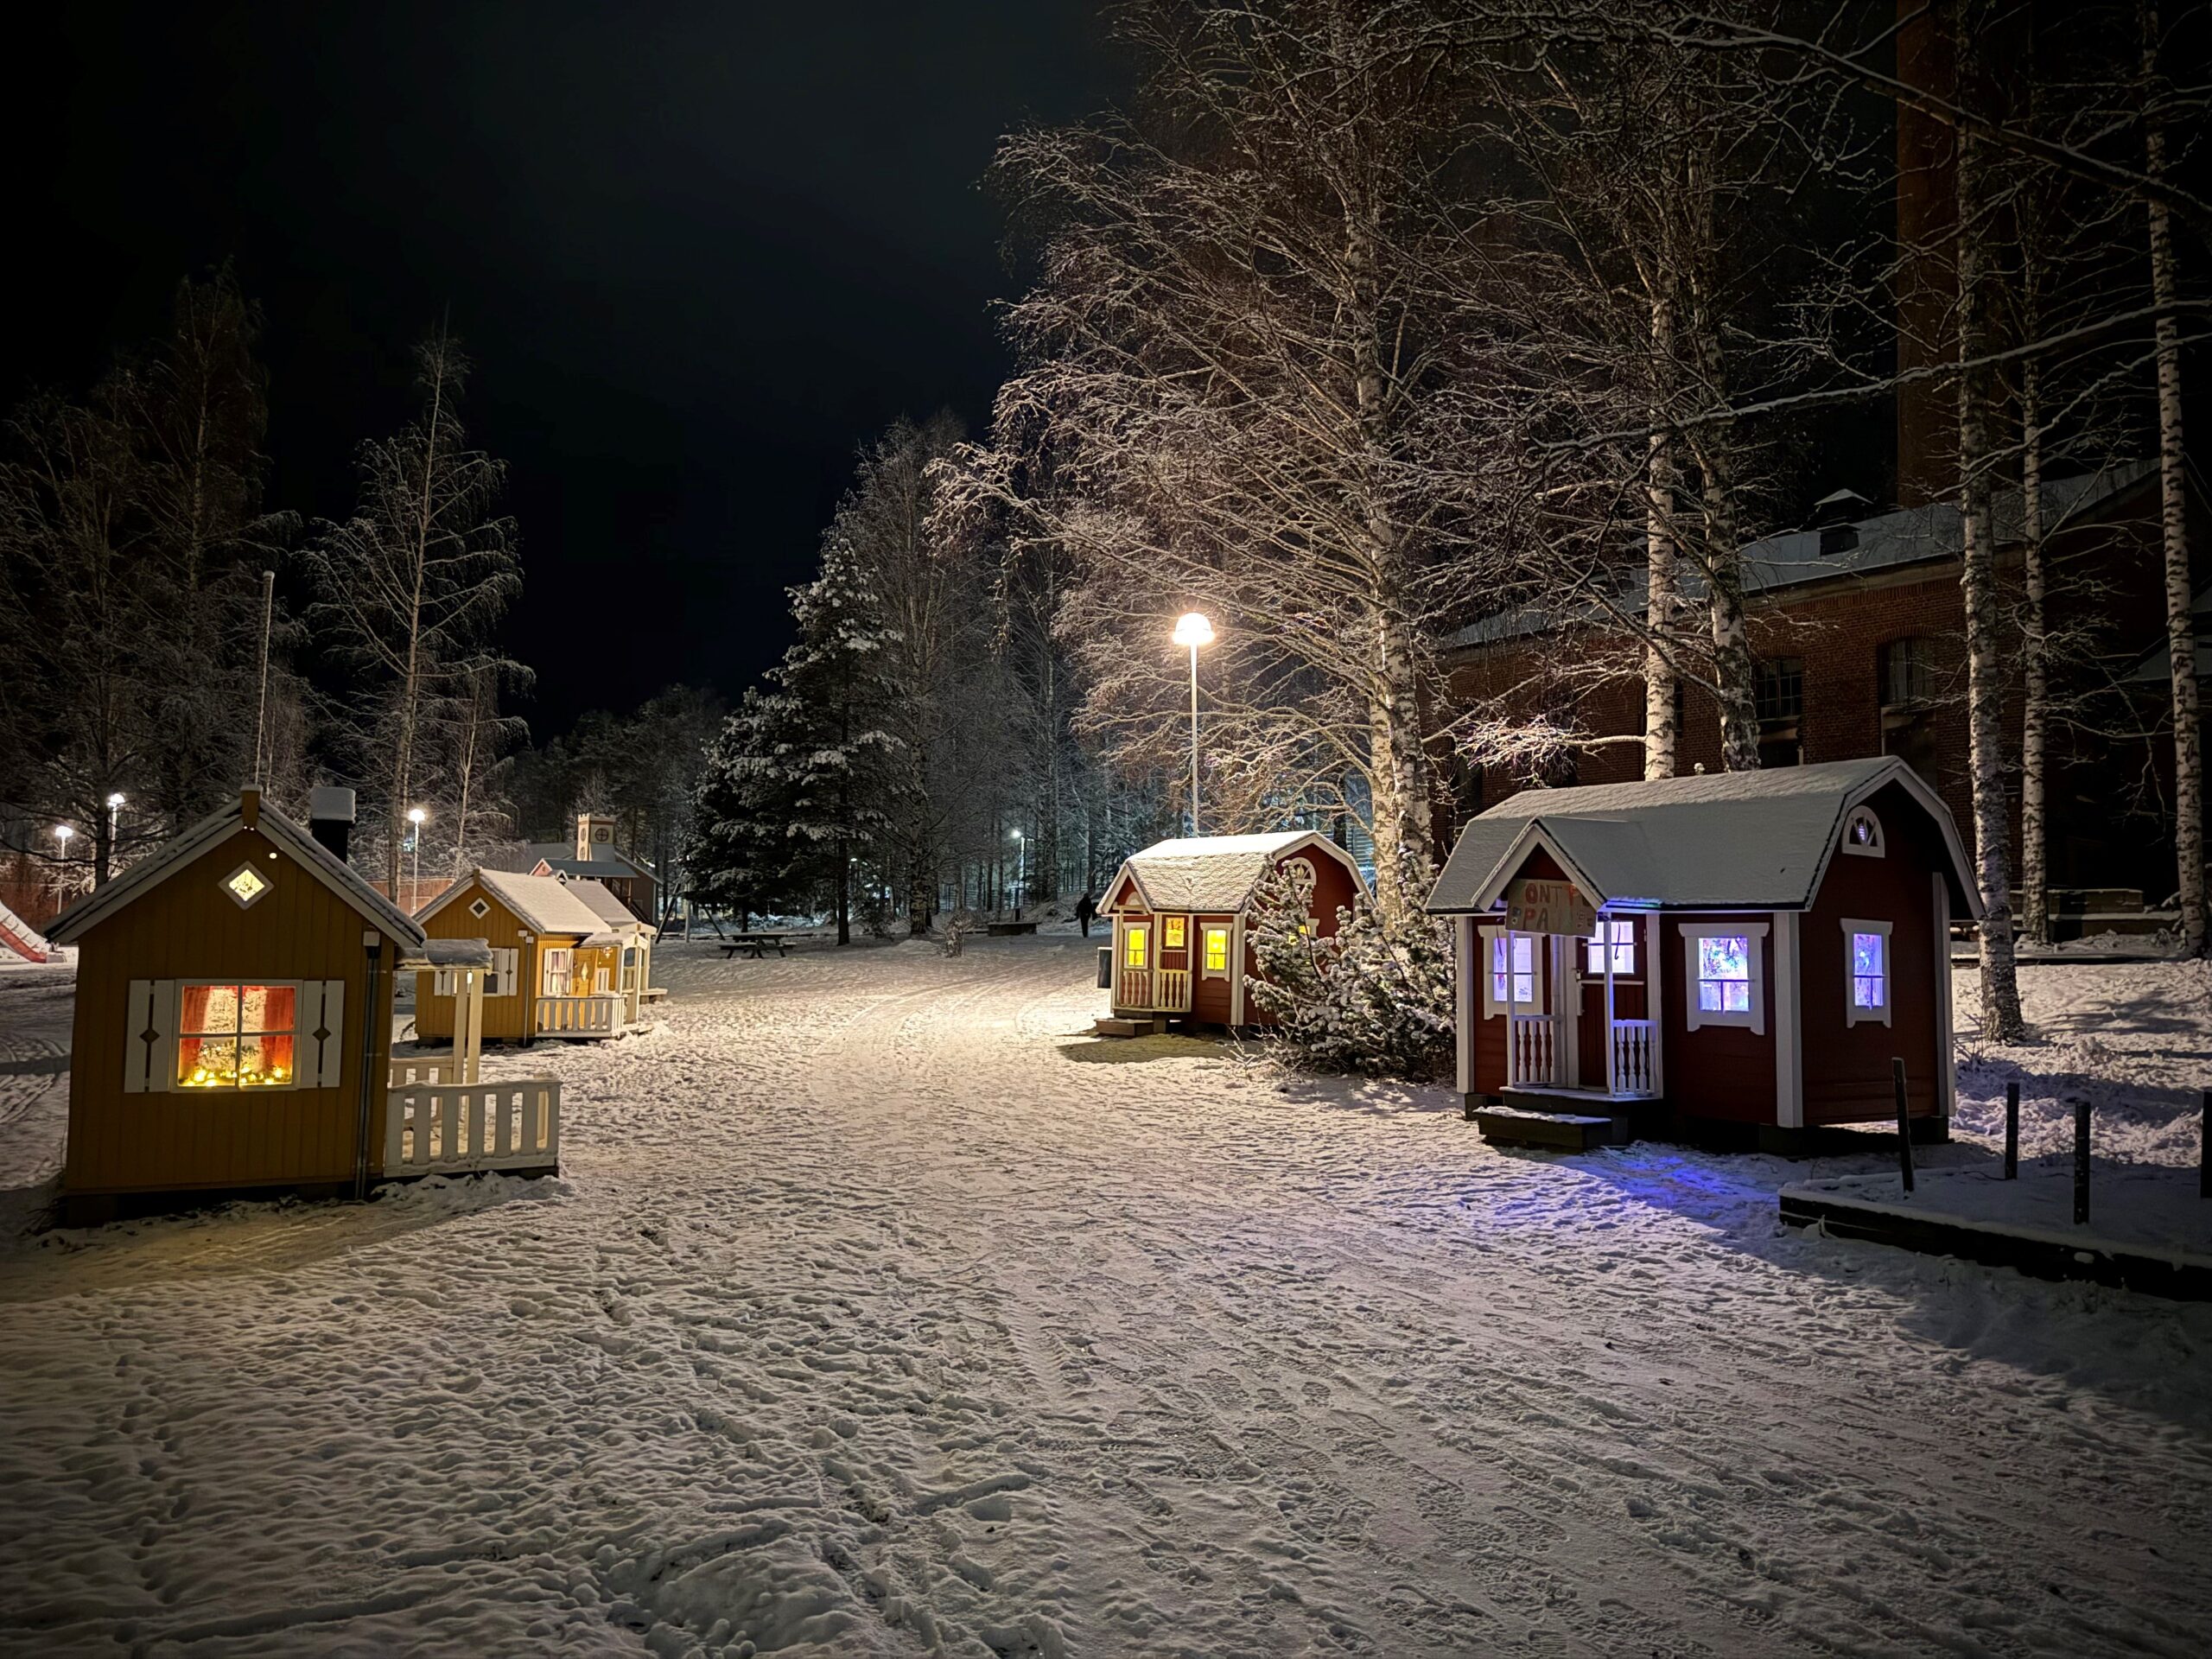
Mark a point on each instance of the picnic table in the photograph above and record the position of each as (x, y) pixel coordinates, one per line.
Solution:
(754, 944)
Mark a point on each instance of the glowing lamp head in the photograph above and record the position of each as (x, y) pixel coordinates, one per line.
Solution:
(1191, 629)
(63, 832)
(116, 799)
(415, 815)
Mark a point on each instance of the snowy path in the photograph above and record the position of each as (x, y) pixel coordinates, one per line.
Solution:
(880, 1312)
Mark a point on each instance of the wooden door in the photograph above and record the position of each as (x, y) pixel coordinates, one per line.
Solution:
(1628, 942)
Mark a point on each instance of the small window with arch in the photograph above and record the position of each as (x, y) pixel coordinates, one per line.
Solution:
(1862, 833)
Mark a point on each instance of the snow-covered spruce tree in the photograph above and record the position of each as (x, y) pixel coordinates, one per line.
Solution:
(407, 589)
(741, 855)
(1230, 400)
(1373, 997)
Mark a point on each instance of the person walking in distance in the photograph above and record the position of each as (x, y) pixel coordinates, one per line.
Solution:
(1085, 908)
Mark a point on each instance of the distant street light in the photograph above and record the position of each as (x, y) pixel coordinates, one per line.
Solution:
(1021, 871)
(61, 834)
(415, 815)
(1191, 629)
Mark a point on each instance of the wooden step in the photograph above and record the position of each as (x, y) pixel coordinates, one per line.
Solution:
(1115, 1026)
(1508, 1126)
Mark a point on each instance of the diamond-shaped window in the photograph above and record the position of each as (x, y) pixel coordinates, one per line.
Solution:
(479, 910)
(246, 884)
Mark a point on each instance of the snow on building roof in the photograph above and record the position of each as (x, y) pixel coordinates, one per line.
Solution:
(1795, 558)
(611, 911)
(448, 953)
(559, 858)
(325, 866)
(543, 904)
(1738, 840)
(1214, 873)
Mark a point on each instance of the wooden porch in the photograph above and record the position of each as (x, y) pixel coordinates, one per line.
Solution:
(1153, 990)
(579, 1016)
(453, 1128)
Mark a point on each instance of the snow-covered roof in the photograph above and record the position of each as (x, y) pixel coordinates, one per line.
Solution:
(1884, 542)
(543, 904)
(1736, 839)
(449, 953)
(559, 858)
(1215, 873)
(325, 866)
(611, 911)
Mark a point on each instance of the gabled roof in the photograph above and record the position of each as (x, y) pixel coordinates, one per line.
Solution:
(1727, 840)
(543, 904)
(310, 854)
(612, 912)
(1216, 874)
(559, 858)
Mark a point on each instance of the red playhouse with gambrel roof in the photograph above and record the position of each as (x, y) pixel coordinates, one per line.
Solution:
(1182, 915)
(1747, 948)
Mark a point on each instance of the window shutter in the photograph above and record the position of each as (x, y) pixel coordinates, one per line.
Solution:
(322, 1036)
(149, 1036)
(506, 966)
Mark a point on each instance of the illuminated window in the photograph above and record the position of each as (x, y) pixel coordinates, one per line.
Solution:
(1516, 986)
(1217, 950)
(245, 884)
(1171, 933)
(1862, 834)
(1624, 940)
(1136, 946)
(1866, 972)
(1722, 973)
(236, 1036)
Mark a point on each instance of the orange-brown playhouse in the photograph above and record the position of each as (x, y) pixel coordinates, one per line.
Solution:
(1753, 949)
(1182, 916)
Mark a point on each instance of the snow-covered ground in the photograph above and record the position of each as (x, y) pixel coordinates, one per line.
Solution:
(882, 1311)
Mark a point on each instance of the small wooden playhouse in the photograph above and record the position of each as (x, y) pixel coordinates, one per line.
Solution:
(1749, 948)
(558, 964)
(233, 1030)
(1181, 911)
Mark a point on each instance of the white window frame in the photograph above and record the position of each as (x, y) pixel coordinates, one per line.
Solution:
(1486, 956)
(566, 955)
(1622, 932)
(1754, 934)
(506, 970)
(298, 1034)
(1228, 931)
(1873, 848)
(1122, 962)
(1853, 1013)
(247, 900)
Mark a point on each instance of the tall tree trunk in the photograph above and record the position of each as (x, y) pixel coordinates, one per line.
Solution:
(2173, 517)
(2000, 991)
(1661, 578)
(2035, 663)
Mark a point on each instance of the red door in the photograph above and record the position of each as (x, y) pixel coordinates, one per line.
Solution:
(1628, 941)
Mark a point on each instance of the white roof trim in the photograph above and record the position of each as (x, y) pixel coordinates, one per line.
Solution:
(1493, 885)
(1266, 849)
(307, 852)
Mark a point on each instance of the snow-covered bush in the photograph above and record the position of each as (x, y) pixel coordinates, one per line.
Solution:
(1372, 997)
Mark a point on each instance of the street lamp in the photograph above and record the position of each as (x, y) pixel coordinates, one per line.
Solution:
(415, 815)
(1191, 629)
(114, 820)
(1020, 871)
(61, 834)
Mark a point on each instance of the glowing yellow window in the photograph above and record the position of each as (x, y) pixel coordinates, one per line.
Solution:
(1170, 937)
(1136, 945)
(1216, 941)
(235, 1037)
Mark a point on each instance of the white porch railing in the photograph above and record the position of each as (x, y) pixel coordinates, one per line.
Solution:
(579, 1016)
(1155, 991)
(433, 1068)
(449, 1129)
(1633, 1060)
(1531, 1049)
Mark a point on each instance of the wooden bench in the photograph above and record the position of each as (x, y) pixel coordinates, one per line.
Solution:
(1007, 929)
(754, 944)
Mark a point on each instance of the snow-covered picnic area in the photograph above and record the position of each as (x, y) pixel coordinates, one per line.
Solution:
(882, 1309)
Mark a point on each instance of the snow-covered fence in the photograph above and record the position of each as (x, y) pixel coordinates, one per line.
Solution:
(578, 1016)
(442, 1128)
(420, 1068)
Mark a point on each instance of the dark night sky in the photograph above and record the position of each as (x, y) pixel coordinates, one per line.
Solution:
(699, 253)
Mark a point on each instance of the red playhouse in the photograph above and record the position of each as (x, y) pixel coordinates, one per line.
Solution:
(1182, 913)
(1747, 948)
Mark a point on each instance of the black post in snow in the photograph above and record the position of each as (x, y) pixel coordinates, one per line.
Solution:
(2012, 1130)
(2204, 1145)
(2081, 1162)
(1905, 1125)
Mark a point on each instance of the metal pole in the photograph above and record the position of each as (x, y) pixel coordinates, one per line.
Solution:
(1194, 739)
(1905, 1125)
(2081, 1162)
(261, 708)
(2204, 1145)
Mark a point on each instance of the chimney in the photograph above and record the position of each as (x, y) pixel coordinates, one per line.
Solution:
(330, 817)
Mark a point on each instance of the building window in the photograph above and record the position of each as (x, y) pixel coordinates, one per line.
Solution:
(1780, 697)
(1907, 673)
(504, 974)
(1171, 933)
(236, 1036)
(1136, 946)
(555, 968)
(1866, 972)
(1514, 983)
(479, 909)
(1217, 950)
(1862, 834)
(1722, 975)
(1623, 943)
(246, 885)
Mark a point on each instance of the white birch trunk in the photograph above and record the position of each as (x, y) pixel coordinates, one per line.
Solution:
(1661, 580)
(2035, 668)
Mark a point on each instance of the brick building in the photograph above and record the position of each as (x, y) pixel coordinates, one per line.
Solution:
(1858, 627)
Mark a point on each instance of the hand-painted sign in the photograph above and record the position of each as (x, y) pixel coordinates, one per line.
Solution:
(1535, 906)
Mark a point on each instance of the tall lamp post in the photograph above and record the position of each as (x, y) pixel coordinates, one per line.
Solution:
(1020, 871)
(61, 834)
(415, 815)
(1191, 629)
(114, 829)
